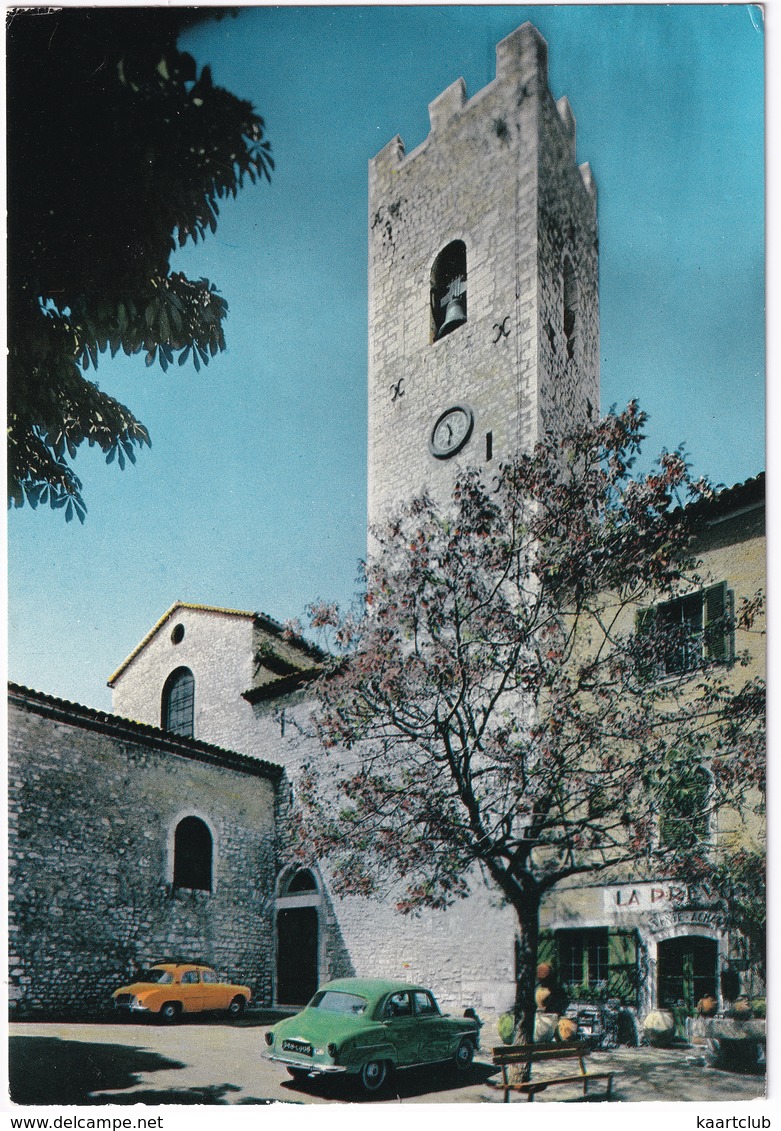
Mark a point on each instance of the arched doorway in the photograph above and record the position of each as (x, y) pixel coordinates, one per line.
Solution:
(298, 937)
(687, 968)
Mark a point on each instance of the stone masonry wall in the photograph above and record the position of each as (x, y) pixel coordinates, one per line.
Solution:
(497, 172)
(567, 228)
(92, 813)
(464, 955)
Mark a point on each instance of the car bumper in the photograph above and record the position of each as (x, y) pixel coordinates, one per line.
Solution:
(308, 1067)
(127, 1007)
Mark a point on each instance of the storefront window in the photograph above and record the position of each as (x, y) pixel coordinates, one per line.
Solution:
(593, 964)
(583, 959)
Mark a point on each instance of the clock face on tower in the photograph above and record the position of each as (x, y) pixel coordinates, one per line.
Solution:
(451, 431)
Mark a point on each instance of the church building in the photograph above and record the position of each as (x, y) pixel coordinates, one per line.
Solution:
(483, 333)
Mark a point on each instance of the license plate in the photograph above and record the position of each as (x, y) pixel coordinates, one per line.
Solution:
(297, 1046)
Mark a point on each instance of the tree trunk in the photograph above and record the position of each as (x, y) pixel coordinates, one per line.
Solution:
(528, 913)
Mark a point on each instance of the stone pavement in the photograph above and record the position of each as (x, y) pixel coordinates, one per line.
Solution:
(209, 1062)
(645, 1073)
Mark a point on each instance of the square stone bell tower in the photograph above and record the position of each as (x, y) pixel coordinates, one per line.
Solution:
(483, 282)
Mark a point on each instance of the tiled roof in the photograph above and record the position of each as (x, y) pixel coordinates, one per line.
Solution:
(91, 719)
(741, 496)
(282, 686)
(726, 503)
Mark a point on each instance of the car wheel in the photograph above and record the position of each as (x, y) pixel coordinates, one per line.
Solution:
(464, 1055)
(373, 1075)
(170, 1011)
(236, 1007)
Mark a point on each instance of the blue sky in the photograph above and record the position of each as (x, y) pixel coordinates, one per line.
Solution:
(253, 495)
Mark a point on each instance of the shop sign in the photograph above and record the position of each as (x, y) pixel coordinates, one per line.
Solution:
(690, 918)
(662, 895)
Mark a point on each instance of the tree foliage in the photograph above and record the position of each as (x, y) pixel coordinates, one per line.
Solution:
(492, 704)
(119, 151)
(741, 875)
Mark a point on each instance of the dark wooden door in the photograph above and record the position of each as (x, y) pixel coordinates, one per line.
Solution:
(687, 969)
(296, 955)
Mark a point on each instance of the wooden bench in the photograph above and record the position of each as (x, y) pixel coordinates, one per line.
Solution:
(507, 1056)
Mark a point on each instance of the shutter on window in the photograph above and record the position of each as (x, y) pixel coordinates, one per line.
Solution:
(647, 664)
(644, 621)
(622, 964)
(546, 948)
(717, 634)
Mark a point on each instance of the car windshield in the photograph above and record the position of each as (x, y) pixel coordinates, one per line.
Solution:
(156, 976)
(337, 1002)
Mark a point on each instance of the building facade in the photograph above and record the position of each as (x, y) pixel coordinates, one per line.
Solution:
(648, 937)
(238, 699)
(644, 938)
(128, 845)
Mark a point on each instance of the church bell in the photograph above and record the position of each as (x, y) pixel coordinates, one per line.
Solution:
(454, 316)
(455, 308)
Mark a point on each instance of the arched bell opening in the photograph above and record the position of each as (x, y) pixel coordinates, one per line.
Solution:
(448, 290)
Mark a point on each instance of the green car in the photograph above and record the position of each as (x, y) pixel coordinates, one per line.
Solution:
(365, 1027)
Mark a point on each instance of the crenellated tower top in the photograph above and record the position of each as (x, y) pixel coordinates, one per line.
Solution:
(483, 304)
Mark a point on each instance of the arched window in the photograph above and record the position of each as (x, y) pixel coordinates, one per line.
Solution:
(193, 855)
(302, 880)
(571, 299)
(448, 290)
(178, 709)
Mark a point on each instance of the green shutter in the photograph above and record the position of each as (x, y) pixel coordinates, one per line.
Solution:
(546, 948)
(644, 621)
(622, 964)
(647, 666)
(717, 626)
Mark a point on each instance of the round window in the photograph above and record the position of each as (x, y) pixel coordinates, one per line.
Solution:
(177, 634)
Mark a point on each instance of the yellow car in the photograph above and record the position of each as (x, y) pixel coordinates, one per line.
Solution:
(170, 989)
